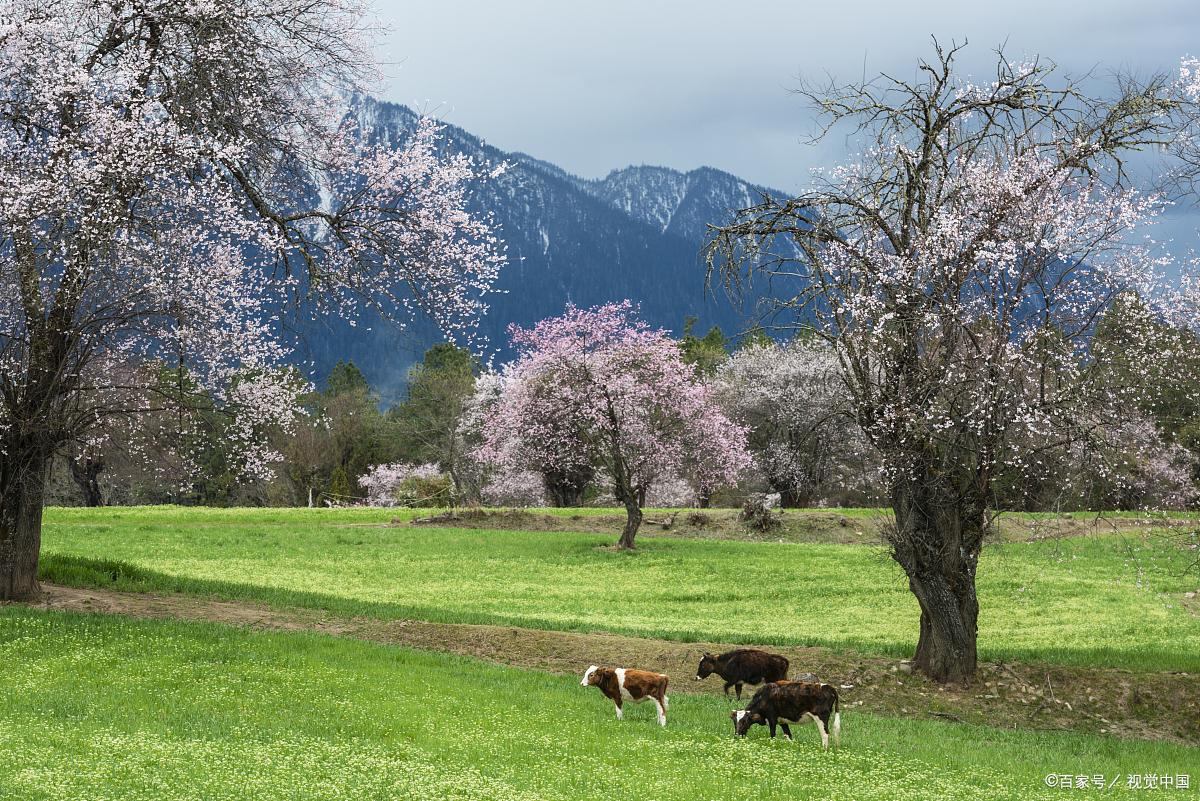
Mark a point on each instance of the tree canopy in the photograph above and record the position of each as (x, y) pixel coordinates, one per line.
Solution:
(176, 176)
(957, 268)
(598, 389)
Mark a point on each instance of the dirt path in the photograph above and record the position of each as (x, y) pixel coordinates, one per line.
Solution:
(1111, 702)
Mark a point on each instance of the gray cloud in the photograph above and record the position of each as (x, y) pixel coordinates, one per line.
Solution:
(594, 87)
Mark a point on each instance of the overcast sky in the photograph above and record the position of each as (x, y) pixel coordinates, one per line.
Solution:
(599, 86)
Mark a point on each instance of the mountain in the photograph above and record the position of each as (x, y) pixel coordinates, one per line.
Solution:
(635, 234)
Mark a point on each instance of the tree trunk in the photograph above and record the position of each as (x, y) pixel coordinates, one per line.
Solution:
(22, 492)
(946, 650)
(632, 522)
(937, 540)
(791, 496)
(567, 487)
(85, 477)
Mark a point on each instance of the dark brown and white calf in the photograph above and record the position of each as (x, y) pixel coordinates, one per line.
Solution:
(634, 685)
(793, 703)
(743, 666)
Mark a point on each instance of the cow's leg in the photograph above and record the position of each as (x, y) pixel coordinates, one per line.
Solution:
(837, 727)
(617, 704)
(772, 720)
(739, 691)
(824, 734)
(787, 732)
(729, 684)
(662, 712)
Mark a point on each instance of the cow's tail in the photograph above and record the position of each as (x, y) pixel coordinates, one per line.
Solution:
(837, 716)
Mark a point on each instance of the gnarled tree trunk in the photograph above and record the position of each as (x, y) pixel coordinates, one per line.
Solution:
(632, 497)
(23, 470)
(85, 477)
(633, 521)
(937, 540)
(566, 487)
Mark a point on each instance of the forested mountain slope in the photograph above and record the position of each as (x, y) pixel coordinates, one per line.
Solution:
(635, 234)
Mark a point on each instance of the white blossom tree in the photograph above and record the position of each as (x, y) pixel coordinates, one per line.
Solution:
(957, 268)
(172, 175)
(794, 402)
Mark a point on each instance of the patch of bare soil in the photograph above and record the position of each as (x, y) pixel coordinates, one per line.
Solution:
(1112, 702)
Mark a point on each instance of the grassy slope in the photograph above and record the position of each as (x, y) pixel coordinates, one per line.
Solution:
(1082, 602)
(109, 708)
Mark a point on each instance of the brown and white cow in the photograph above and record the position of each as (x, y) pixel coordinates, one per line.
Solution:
(626, 684)
(791, 702)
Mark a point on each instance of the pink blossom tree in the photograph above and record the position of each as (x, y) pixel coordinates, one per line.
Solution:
(957, 269)
(172, 174)
(599, 389)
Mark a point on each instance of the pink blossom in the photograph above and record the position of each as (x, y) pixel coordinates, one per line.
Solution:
(599, 388)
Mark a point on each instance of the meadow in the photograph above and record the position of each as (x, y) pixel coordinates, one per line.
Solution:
(1095, 601)
(100, 707)
(108, 708)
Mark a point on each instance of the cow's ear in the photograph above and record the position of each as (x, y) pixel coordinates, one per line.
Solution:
(733, 716)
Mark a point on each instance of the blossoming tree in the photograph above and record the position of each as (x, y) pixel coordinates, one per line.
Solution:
(957, 268)
(173, 175)
(597, 388)
(794, 402)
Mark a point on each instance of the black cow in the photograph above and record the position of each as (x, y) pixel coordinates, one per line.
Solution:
(791, 702)
(743, 666)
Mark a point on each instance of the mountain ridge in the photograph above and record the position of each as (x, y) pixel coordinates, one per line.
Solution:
(636, 234)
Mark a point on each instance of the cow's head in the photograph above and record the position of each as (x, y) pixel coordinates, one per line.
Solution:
(591, 677)
(743, 720)
(708, 663)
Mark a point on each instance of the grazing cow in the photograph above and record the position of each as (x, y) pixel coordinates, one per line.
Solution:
(791, 702)
(635, 685)
(743, 666)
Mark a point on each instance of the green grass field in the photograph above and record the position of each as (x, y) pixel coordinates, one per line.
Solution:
(1092, 601)
(108, 708)
(99, 707)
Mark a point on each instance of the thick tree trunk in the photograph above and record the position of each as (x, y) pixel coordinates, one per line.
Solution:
(85, 477)
(937, 541)
(633, 521)
(566, 488)
(946, 650)
(22, 492)
(792, 497)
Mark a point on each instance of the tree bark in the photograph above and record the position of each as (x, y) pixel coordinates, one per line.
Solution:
(947, 648)
(633, 521)
(567, 487)
(937, 540)
(791, 496)
(85, 477)
(22, 493)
